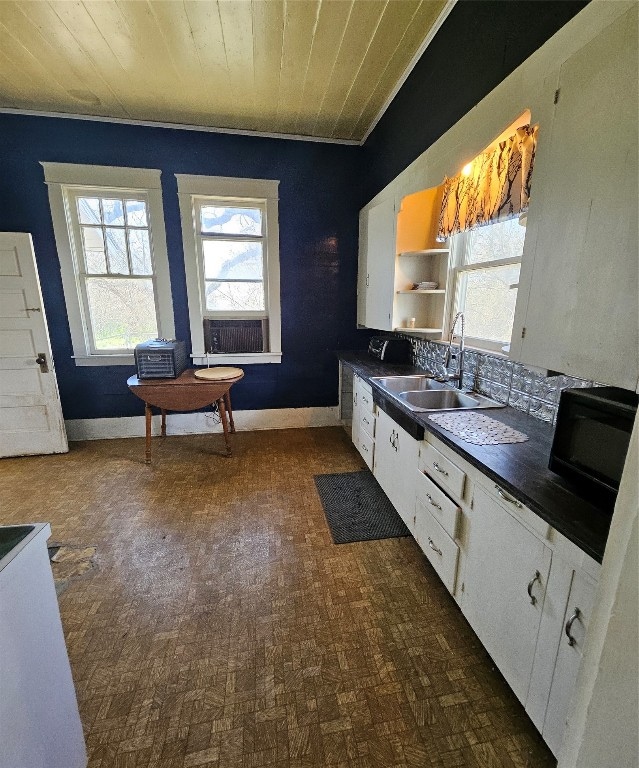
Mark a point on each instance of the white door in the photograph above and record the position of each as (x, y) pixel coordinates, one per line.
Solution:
(30, 413)
(575, 623)
(380, 265)
(406, 463)
(384, 467)
(504, 586)
(580, 316)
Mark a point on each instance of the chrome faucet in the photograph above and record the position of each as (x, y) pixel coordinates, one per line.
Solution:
(458, 377)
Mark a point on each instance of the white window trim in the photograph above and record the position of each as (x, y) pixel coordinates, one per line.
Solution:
(223, 186)
(59, 175)
(457, 251)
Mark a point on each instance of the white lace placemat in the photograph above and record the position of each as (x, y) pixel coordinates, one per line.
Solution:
(478, 429)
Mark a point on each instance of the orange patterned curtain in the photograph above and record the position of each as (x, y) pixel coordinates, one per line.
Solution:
(493, 187)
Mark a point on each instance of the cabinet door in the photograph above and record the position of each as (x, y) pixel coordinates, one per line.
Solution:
(395, 467)
(406, 462)
(380, 265)
(504, 561)
(582, 285)
(355, 423)
(385, 463)
(575, 626)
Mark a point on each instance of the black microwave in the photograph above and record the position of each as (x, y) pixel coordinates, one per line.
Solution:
(591, 440)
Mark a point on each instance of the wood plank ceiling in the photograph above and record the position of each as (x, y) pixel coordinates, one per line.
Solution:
(321, 68)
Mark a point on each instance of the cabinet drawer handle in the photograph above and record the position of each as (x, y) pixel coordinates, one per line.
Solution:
(432, 502)
(433, 547)
(439, 469)
(365, 400)
(364, 448)
(507, 498)
(366, 421)
(576, 615)
(531, 583)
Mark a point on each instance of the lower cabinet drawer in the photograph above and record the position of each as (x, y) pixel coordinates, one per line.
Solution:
(366, 447)
(437, 545)
(367, 423)
(442, 469)
(365, 401)
(443, 509)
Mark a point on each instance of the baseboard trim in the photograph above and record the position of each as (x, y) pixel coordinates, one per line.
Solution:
(202, 423)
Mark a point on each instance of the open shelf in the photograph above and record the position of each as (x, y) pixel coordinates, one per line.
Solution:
(426, 252)
(432, 290)
(418, 330)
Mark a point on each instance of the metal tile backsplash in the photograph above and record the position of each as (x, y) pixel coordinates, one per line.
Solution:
(503, 380)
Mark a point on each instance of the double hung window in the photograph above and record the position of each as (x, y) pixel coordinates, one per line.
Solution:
(230, 234)
(113, 257)
(486, 263)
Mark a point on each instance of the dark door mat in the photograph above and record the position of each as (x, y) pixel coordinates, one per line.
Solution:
(357, 509)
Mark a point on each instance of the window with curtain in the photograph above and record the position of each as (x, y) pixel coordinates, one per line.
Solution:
(495, 186)
(481, 209)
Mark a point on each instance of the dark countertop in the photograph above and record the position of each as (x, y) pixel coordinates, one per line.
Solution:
(521, 469)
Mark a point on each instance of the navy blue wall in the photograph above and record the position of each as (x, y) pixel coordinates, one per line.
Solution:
(479, 45)
(320, 197)
(322, 188)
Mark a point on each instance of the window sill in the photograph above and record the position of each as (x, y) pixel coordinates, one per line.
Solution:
(121, 359)
(242, 358)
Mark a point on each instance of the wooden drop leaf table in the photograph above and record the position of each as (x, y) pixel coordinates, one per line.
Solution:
(185, 393)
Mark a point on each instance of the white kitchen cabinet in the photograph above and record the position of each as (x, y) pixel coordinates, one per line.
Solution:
(396, 456)
(39, 721)
(363, 428)
(355, 414)
(505, 579)
(377, 264)
(577, 304)
(397, 250)
(571, 643)
(441, 550)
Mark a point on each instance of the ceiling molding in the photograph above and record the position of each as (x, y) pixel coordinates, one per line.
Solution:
(411, 65)
(178, 126)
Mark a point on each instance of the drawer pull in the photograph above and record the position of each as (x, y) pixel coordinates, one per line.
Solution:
(365, 448)
(507, 498)
(439, 469)
(576, 615)
(433, 547)
(432, 502)
(531, 583)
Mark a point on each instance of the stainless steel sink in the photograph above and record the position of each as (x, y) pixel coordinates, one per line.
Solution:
(423, 394)
(396, 384)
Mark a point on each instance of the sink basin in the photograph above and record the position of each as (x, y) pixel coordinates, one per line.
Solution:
(425, 394)
(438, 400)
(11, 535)
(396, 384)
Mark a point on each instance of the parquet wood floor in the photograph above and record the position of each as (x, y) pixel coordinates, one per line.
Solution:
(221, 627)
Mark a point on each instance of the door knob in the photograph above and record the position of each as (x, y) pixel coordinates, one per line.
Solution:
(41, 360)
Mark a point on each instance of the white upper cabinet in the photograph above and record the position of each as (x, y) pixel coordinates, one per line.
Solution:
(397, 251)
(377, 266)
(578, 298)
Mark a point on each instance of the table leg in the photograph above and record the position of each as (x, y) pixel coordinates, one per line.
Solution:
(227, 402)
(163, 412)
(147, 415)
(225, 426)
